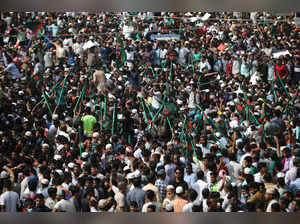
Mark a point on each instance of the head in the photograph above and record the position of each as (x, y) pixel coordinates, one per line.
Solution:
(178, 173)
(39, 200)
(170, 193)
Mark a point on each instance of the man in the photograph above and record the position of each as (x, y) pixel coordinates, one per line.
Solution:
(150, 186)
(292, 173)
(262, 170)
(44, 188)
(234, 168)
(200, 184)
(62, 204)
(88, 122)
(51, 200)
(161, 184)
(150, 200)
(295, 185)
(9, 200)
(179, 180)
(192, 200)
(40, 204)
(234, 204)
(120, 197)
(99, 80)
(270, 199)
(136, 194)
(179, 202)
(189, 176)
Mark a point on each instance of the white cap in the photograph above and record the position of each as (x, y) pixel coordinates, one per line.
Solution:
(170, 187)
(85, 155)
(60, 147)
(95, 135)
(126, 168)
(169, 143)
(179, 102)
(45, 181)
(4, 175)
(60, 172)
(54, 116)
(71, 165)
(134, 111)
(45, 145)
(28, 133)
(182, 159)
(57, 157)
(179, 190)
(130, 176)
(280, 175)
(108, 146)
(218, 134)
(137, 174)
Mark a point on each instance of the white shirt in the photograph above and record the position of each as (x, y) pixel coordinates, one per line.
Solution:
(243, 157)
(10, 200)
(65, 206)
(191, 104)
(203, 65)
(236, 65)
(155, 100)
(188, 207)
(258, 178)
(234, 169)
(290, 175)
(182, 53)
(157, 206)
(198, 187)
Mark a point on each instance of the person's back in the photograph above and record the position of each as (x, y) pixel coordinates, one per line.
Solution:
(136, 194)
(9, 200)
(88, 122)
(65, 206)
(179, 202)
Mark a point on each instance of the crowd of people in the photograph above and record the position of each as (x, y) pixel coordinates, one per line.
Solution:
(149, 112)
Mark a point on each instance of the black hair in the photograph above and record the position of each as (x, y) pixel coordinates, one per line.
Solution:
(150, 195)
(193, 194)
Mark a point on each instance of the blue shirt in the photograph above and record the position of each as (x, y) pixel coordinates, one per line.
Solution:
(13, 70)
(295, 185)
(190, 179)
(137, 195)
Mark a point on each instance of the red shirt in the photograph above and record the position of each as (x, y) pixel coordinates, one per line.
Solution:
(228, 68)
(281, 70)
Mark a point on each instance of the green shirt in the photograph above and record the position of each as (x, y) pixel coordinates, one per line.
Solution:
(88, 123)
(196, 56)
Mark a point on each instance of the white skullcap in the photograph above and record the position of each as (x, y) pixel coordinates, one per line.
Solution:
(60, 147)
(280, 175)
(95, 135)
(108, 146)
(57, 157)
(130, 176)
(45, 145)
(45, 181)
(71, 165)
(28, 133)
(126, 168)
(179, 190)
(85, 155)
